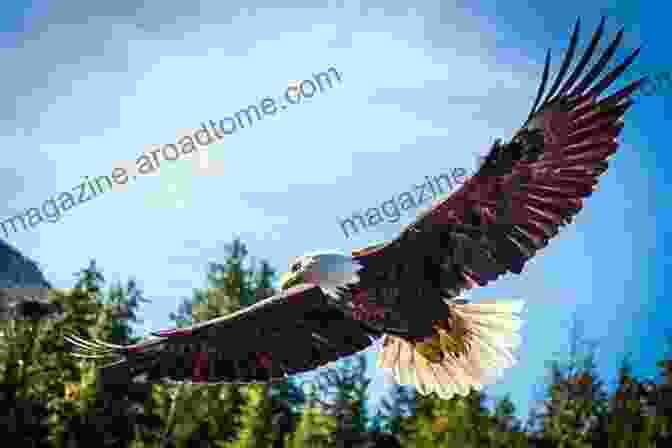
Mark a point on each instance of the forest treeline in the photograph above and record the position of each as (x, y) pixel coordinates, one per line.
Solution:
(50, 399)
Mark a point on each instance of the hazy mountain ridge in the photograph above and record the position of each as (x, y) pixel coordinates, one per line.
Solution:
(17, 270)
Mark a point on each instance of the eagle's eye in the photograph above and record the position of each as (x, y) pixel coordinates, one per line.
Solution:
(296, 266)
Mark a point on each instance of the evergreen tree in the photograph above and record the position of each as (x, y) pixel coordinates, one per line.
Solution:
(507, 428)
(505, 415)
(657, 399)
(84, 315)
(258, 428)
(346, 389)
(287, 402)
(124, 303)
(256, 422)
(384, 440)
(396, 408)
(272, 409)
(117, 414)
(222, 407)
(576, 406)
(377, 424)
(479, 426)
(315, 429)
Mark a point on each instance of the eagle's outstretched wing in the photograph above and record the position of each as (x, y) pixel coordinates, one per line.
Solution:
(523, 193)
(292, 332)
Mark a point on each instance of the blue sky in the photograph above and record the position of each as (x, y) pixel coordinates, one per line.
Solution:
(425, 88)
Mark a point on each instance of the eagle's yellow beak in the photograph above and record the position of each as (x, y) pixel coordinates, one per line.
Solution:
(289, 279)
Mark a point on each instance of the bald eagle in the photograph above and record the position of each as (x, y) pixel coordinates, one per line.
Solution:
(408, 292)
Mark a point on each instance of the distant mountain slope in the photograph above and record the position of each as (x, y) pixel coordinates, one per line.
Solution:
(18, 271)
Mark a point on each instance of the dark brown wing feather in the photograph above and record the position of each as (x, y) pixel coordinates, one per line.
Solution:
(295, 331)
(524, 192)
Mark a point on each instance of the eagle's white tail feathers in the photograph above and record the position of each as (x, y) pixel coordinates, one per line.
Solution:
(492, 337)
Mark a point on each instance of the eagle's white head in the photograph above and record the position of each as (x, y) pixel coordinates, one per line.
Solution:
(327, 269)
